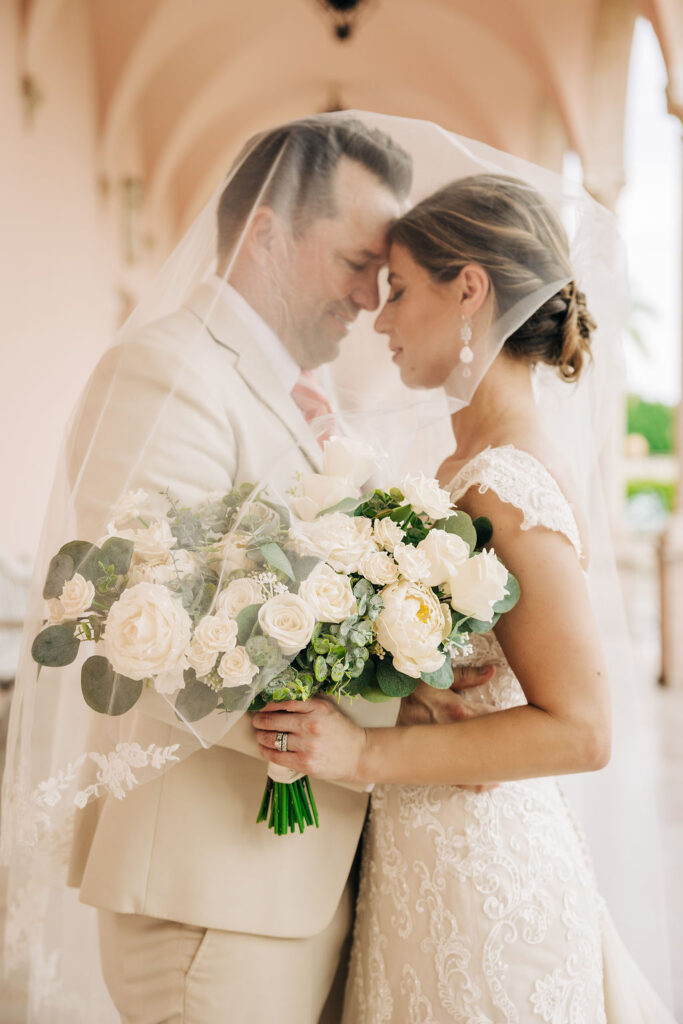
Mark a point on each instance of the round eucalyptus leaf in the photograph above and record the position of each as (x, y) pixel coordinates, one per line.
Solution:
(373, 693)
(86, 558)
(55, 646)
(235, 698)
(60, 570)
(118, 552)
(442, 679)
(106, 691)
(461, 525)
(484, 528)
(512, 597)
(196, 700)
(392, 682)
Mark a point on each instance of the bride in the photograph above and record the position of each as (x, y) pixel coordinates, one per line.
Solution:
(477, 899)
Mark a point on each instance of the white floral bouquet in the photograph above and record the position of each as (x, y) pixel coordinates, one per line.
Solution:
(234, 604)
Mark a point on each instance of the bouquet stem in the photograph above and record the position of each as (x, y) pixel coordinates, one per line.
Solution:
(286, 805)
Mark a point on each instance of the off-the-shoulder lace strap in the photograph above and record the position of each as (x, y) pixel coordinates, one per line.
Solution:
(518, 478)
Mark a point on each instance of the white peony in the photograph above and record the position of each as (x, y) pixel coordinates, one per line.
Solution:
(147, 632)
(446, 552)
(379, 567)
(477, 585)
(329, 594)
(425, 495)
(289, 620)
(127, 510)
(413, 564)
(318, 492)
(341, 540)
(411, 626)
(217, 633)
(76, 597)
(239, 594)
(387, 533)
(236, 668)
(200, 658)
(349, 458)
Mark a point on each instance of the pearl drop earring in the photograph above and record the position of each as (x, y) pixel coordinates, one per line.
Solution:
(466, 353)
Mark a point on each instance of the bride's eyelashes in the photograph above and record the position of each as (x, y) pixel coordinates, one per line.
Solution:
(396, 295)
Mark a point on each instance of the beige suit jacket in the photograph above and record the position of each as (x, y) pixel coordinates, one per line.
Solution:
(185, 846)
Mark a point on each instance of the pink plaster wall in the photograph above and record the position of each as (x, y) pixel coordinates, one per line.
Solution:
(58, 305)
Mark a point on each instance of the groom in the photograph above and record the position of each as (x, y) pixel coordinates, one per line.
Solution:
(205, 916)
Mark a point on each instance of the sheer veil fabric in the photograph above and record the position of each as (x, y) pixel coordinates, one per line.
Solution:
(155, 415)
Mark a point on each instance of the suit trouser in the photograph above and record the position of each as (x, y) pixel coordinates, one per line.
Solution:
(163, 972)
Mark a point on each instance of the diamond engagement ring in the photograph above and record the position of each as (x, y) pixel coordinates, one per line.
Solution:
(281, 742)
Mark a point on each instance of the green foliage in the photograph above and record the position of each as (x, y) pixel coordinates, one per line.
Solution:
(442, 679)
(461, 525)
(665, 491)
(105, 691)
(392, 682)
(196, 700)
(55, 646)
(484, 528)
(246, 622)
(654, 420)
(277, 559)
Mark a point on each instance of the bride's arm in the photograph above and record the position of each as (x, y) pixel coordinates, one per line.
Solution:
(551, 642)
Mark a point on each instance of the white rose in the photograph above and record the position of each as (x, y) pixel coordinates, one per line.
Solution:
(425, 495)
(387, 533)
(77, 595)
(239, 594)
(169, 682)
(446, 551)
(341, 540)
(127, 509)
(265, 517)
(289, 620)
(236, 668)
(232, 552)
(413, 564)
(477, 585)
(379, 568)
(185, 563)
(55, 611)
(151, 572)
(318, 492)
(153, 542)
(216, 633)
(349, 458)
(411, 626)
(147, 632)
(200, 658)
(329, 594)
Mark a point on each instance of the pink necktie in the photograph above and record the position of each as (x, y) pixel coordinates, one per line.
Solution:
(315, 406)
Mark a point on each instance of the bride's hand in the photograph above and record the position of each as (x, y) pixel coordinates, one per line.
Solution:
(321, 741)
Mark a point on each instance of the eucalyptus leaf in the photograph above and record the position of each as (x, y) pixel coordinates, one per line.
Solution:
(196, 700)
(235, 698)
(484, 528)
(246, 621)
(276, 558)
(303, 567)
(106, 691)
(60, 570)
(86, 558)
(118, 552)
(55, 646)
(367, 678)
(373, 693)
(392, 682)
(442, 679)
(512, 597)
(461, 525)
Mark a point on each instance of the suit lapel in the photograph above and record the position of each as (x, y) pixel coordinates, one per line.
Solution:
(226, 328)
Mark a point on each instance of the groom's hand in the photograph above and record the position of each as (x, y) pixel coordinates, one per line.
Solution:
(469, 675)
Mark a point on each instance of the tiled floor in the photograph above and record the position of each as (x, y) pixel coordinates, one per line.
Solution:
(641, 595)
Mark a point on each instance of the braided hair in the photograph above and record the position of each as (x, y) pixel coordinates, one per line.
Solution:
(511, 231)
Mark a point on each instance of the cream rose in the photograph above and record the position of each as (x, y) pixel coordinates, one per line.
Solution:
(412, 563)
(154, 542)
(216, 633)
(341, 540)
(128, 509)
(329, 594)
(147, 632)
(411, 625)
(349, 458)
(239, 594)
(425, 495)
(379, 568)
(150, 572)
(446, 552)
(318, 492)
(236, 668)
(387, 533)
(289, 620)
(76, 597)
(233, 552)
(478, 584)
(200, 658)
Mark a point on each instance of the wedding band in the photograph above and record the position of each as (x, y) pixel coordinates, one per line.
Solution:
(281, 742)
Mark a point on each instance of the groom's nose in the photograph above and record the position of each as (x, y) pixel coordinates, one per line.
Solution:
(365, 291)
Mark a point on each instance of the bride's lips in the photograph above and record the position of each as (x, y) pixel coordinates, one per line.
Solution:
(396, 352)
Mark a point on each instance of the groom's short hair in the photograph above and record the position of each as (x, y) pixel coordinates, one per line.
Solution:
(291, 169)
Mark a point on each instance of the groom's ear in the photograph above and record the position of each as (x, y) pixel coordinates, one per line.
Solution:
(263, 237)
(474, 288)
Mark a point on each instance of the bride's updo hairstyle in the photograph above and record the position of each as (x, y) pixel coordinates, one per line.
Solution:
(509, 229)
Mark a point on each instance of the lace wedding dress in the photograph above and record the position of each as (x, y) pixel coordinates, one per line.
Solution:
(482, 908)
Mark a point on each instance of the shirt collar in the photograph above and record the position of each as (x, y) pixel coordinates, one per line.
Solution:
(282, 361)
